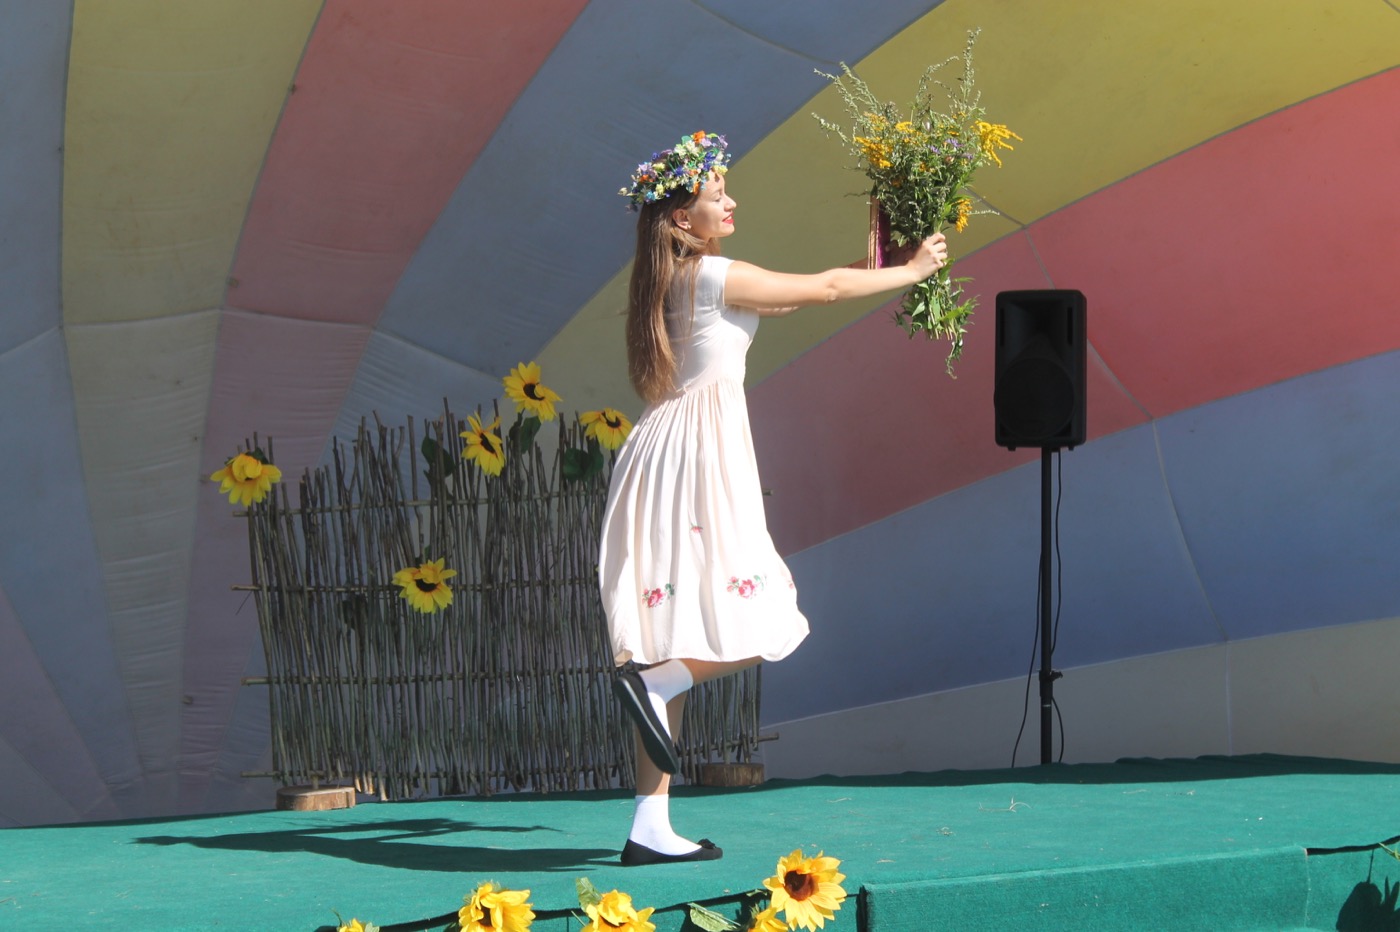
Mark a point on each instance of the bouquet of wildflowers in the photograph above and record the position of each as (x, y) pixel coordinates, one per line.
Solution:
(921, 166)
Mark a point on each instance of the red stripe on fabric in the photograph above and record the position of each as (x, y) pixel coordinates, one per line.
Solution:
(392, 104)
(1260, 256)
(869, 423)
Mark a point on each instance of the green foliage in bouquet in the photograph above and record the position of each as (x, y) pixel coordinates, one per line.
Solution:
(921, 167)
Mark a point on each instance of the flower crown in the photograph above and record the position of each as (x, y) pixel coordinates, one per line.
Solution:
(683, 168)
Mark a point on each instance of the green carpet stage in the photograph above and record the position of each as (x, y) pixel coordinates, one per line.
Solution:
(1256, 842)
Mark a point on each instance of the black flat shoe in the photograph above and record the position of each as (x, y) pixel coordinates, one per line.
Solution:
(655, 738)
(635, 855)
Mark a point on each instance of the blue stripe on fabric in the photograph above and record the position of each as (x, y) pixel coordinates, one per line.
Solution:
(943, 595)
(1290, 498)
(537, 227)
(1265, 513)
(48, 558)
(33, 73)
(829, 32)
(398, 380)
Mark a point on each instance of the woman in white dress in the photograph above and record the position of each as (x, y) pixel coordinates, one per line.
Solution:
(692, 585)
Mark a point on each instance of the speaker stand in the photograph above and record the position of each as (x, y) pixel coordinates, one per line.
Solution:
(1048, 676)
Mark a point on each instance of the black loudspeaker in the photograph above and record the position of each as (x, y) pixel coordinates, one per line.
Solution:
(1040, 357)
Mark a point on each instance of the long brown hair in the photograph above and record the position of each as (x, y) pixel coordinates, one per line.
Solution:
(664, 251)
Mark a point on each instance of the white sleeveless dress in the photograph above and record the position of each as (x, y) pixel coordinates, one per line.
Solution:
(687, 567)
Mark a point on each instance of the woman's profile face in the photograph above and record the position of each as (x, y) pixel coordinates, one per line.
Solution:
(711, 216)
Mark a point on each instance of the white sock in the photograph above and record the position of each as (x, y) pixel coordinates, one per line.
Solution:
(664, 682)
(651, 826)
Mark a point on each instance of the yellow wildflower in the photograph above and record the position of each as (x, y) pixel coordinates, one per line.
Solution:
(994, 136)
(963, 210)
(877, 153)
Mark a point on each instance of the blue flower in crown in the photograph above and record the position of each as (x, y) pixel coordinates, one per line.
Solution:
(681, 168)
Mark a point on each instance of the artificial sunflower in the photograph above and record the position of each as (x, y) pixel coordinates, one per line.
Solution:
(807, 890)
(246, 478)
(614, 913)
(524, 388)
(609, 427)
(425, 585)
(491, 909)
(768, 921)
(355, 925)
(484, 447)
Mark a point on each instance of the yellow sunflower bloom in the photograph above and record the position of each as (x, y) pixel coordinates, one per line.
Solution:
(425, 585)
(994, 136)
(614, 913)
(768, 921)
(246, 479)
(609, 427)
(491, 909)
(807, 890)
(524, 388)
(355, 925)
(484, 447)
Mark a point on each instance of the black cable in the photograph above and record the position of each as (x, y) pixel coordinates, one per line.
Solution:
(1030, 670)
(1054, 703)
(1059, 563)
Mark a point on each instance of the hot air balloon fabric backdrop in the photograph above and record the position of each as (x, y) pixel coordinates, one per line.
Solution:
(281, 216)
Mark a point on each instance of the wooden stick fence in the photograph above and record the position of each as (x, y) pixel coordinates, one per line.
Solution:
(508, 687)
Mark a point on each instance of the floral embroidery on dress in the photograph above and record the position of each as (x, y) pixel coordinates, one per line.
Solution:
(654, 597)
(746, 588)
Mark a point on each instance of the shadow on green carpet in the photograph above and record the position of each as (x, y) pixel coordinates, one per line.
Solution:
(391, 846)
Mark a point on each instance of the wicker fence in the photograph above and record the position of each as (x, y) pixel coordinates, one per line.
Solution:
(509, 687)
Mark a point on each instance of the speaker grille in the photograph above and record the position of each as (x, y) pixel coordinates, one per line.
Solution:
(1035, 398)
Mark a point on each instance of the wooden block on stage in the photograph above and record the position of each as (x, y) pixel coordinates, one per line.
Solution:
(315, 798)
(731, 774)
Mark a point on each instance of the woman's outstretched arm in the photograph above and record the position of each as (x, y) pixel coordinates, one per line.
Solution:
(774, 293)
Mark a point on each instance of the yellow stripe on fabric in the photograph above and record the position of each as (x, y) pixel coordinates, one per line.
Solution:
(1098, 89)
(142, 393)
(170, 107)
